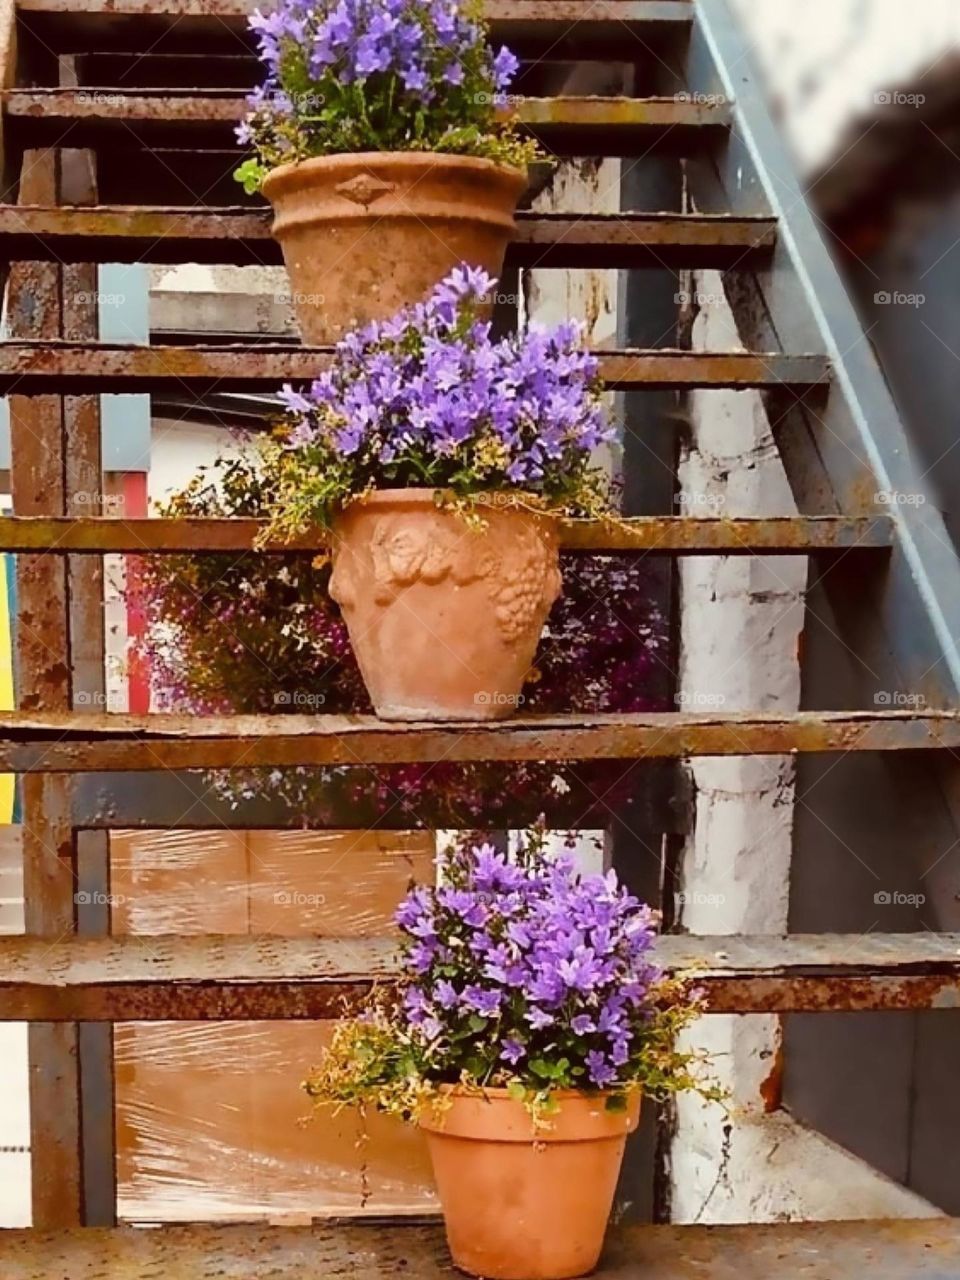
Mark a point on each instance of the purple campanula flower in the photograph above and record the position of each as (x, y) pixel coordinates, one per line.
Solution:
(599, 1070)
(446, 995)
(512, 1051)
(415, 51)
(620, 1050)
(421, 957)
(483, 1001)
(557, 963)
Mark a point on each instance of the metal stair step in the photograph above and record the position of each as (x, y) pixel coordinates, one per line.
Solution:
(566, 125)
(78, 742)
(71, 368)
(534, 28)
(241, 236)
(213, 977)
(677, 535)
(901, 1249)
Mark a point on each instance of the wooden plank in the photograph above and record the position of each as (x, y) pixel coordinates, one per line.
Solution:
(241, 237)
(903, 1249)
(565, 125)
(31, 743)
(681, 535)
(229, 977)
(38, 483)
(38, 367)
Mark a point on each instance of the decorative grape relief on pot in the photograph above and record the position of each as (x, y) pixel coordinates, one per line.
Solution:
(522, 580)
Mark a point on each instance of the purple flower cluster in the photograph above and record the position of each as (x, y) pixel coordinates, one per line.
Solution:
(429, 398)
(375, 75)
(425, 43)
(523, 969)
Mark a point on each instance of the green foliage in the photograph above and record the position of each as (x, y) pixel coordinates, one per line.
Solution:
(378, 1061)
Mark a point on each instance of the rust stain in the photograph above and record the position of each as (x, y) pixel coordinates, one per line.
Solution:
(771, 1087)
(652, 534)
(37, 367)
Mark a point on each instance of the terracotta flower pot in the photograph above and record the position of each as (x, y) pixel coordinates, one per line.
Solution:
(444, 618)
(364, 235)
(525, 1204)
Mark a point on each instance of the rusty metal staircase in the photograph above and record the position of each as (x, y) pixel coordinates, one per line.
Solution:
(101, 127)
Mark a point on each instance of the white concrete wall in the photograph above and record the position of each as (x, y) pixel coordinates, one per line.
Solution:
(830, 64)
(826, 61)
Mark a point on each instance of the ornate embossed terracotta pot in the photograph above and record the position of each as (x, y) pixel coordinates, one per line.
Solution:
(444, 618)
(364, 235)
(521, 1203)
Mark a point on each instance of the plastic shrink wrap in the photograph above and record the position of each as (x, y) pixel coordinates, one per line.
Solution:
(210, 1116)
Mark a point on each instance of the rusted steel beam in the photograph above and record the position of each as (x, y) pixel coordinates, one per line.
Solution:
(8, 72)
(535, 28)
(903, 1249)
(571, 126)
(229, 977)
(33, 368)
(683, 535)
(83, 496)
(546, 11)
(241, 237)
(43, 668)
(86, 744)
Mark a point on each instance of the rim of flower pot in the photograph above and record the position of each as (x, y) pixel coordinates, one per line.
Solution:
(497, 1093)
(403, 159)
(581, 1116)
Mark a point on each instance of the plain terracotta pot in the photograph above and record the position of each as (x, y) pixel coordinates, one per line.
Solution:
(364, 235)
(444, 618)
(521, 1203)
